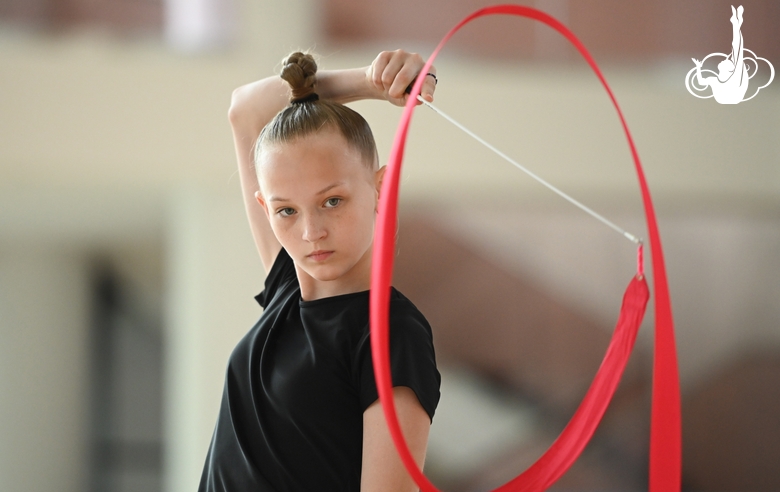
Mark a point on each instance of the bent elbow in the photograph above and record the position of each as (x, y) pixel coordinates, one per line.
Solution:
(237, 110)
(233, 114)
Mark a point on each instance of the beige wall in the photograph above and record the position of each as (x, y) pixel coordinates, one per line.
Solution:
(44, 312)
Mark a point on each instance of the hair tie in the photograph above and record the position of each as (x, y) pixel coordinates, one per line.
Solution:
(310, 98)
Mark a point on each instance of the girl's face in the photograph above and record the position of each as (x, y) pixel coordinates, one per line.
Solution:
(320, 198)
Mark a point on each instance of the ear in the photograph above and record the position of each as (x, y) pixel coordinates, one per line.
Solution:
(379, 176)
(261, 201)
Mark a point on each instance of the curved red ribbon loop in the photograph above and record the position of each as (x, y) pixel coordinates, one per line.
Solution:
(665, 441)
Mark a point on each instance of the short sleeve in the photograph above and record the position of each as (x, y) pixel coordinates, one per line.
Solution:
(412, 358)
(282, 273)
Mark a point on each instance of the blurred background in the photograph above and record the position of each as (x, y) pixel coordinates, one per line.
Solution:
(127, 269)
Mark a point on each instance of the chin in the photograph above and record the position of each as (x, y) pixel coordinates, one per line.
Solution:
(325, 273)
(326, 277)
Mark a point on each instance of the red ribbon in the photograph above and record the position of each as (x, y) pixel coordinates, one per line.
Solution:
(665, 441)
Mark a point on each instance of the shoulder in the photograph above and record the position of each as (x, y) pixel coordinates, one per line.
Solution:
(403, 313)
(281, 276)
(412, 355)
(410, 333)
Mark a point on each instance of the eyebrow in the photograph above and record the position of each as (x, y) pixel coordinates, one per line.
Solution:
(322, 191)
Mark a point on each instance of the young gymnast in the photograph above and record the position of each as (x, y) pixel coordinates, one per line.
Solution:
(299, 410)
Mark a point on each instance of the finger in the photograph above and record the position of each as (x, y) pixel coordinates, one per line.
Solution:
(395, 74)
(427, 89)
(378, 68)
(429, 85)
(405, 76)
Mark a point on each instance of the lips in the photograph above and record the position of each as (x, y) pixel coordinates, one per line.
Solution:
(320, 255)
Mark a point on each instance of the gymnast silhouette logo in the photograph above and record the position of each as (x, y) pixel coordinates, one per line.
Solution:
(730, 84)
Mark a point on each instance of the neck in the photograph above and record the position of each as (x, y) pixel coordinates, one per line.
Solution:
(357, 279)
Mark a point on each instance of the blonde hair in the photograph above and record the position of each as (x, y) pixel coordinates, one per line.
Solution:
(307, 114)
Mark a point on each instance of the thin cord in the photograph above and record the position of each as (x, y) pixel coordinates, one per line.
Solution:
(571, 200)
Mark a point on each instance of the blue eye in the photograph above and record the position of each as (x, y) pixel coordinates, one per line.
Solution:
(332, 202)
(286, 212)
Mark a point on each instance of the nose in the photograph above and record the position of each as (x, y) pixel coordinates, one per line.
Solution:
(313, 229)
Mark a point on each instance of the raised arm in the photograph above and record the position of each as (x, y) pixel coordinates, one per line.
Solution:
(254, 105)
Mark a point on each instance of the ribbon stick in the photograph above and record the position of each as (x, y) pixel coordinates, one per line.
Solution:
(665, 442)
(532, 174)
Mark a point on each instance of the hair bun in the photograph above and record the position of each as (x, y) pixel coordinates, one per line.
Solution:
(300, 71)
